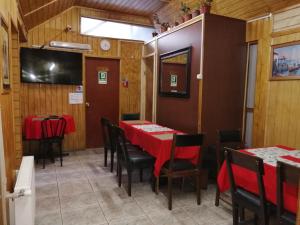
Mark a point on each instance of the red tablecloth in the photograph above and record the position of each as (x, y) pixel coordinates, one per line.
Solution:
(32, 126)
(158, 148)
(247, 180)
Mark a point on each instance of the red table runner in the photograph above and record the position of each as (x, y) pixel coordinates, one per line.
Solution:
(33, 129)
(160, 148)
(247, 180)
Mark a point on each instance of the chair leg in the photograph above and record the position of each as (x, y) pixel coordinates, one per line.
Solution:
(157, 185)
(44, 154)
(217, 200)
(241, 213)
(60, 152)
(112, 155)
(129, 182)
(105, 156)
(170, 192)
(141, 175)
(235, 214)
(120, 175)
(256, 220)
(198, 180)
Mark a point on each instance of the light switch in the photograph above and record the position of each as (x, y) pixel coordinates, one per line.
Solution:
(199, 76)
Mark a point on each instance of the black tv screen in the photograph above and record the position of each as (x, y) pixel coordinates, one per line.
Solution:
(50, 67)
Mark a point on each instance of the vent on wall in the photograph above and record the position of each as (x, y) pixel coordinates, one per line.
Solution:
(69, 45)
(286, 20)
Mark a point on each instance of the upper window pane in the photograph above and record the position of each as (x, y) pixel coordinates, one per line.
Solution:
(103, 28)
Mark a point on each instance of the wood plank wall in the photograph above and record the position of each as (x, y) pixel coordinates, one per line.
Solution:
(53, 99)
(16, 86)
(8, 11)
(277, 103)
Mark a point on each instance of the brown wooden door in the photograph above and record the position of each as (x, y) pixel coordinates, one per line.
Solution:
(149, 88)
(102, 99)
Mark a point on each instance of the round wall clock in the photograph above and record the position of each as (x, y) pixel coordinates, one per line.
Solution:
(105, 44)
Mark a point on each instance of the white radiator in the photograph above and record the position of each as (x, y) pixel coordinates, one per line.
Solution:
(22, 203)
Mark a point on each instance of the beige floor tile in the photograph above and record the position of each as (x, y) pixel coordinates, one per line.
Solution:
(46, 190)
(72, 202)
(204, 214)
(69, 176)
(115, 195)
(125, 209)
(84, 216)
(141, 220)
(174, 217)
(47, 205)
(68, 168)
(74, 187)
(45, 178)
(103, 182)
(87, 193)
(49, 219)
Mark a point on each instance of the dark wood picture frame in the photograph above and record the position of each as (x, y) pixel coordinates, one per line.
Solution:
(168, 55)
(282, 64)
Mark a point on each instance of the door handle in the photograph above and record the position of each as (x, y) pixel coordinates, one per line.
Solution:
(87, 104)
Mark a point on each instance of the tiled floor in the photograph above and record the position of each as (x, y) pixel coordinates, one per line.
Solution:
(83, 192)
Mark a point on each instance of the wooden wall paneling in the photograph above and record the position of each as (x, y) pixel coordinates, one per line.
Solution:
(284, 106)
(260, 30)
(149, 77)
(143, 87)
(7, 103)
(149, 48)
(53, 99)
(130, 69)
(15, 80)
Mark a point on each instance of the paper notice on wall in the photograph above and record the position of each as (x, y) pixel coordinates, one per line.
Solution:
(75, 98)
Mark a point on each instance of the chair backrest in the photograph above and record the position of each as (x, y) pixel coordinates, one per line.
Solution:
(227, 138)
(105, 132)
(53, 127)
(185, 140)
(130, 116)
(246, 161)
(120, 142)
(285, 174)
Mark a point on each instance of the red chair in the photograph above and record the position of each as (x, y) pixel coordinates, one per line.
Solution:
(53, 130)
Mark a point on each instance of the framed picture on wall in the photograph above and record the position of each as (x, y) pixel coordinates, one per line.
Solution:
(4, 46)
(285, 61)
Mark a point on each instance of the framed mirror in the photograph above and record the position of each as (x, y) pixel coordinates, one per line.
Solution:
(174, 76)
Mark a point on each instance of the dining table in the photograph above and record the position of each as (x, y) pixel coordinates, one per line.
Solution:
(247, 180)
(157, 141)
(32, 128)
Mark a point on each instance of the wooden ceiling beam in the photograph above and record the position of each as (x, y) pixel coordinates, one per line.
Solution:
(39, 8)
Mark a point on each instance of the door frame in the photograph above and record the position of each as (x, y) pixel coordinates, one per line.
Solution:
(84, 57)
(144, 85)
(245, 108)
(3, 179)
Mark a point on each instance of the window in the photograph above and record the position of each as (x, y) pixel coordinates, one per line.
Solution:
(103, 28)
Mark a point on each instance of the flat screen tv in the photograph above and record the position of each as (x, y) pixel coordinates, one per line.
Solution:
(50, 67)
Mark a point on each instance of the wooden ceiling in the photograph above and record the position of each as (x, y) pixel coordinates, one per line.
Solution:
(37, 11)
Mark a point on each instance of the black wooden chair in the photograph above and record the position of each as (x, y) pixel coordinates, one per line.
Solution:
(231, 139)
(130, 116)
(290, 175)
(106, 135)
(180, 168)
(130, 159)
(53, 130)
(242, 199)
